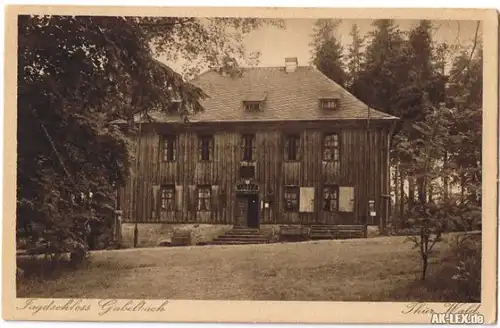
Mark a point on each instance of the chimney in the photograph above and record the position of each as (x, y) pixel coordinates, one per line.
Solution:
(291, 64)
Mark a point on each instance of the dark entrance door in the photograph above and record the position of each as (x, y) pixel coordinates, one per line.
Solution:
(253, 211)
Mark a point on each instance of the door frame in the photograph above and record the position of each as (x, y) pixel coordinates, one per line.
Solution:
(249, 196)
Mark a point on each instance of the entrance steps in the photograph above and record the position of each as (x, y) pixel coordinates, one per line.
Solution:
(240, 236)
(328, 231)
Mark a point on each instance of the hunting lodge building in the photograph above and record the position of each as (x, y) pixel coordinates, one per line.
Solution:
(274, 145)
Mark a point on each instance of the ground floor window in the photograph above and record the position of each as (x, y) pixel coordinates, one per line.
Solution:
(292, 199)
(167, 198)
(204, 196)
(330, 198)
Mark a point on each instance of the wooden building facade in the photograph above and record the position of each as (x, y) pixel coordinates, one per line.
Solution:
(264, 152)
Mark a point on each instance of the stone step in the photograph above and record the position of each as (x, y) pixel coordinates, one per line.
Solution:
(241, 236)
(241, 230)
(235, 242)
(253, 241)
(336, 236)
(326, 227)
(243, 233)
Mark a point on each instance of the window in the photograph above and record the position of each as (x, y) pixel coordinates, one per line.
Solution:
(169, 148)
(329, 103)
(292, 148)
(247, 147)
(204, 194)
(331, 148)
(205, 147)
(292, 199)
(247, 172)
(252, 105)
(168, 198)
(331, 198)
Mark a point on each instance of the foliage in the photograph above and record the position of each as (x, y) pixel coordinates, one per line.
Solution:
(384, 69)
(327, 50)
(76, 74)
(355, 55)
(466, 253)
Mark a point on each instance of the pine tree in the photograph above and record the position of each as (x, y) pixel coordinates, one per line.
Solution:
(327, 51)
(383, 69)
(355, 55)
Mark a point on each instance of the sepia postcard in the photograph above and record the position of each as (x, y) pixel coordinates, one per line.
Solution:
(272, 165)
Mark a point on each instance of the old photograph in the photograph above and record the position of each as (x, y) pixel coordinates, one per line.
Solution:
(249, 158)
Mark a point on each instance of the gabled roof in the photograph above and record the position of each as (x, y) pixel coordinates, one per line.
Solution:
(289, 97)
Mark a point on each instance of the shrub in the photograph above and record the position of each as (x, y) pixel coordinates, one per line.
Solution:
(466, 255)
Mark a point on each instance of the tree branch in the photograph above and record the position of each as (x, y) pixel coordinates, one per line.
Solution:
(58, 155)
(466, 65)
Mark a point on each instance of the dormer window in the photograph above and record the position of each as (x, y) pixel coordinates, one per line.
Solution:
(252, 106)
(254, 102)
(329, 100)
(329, 104)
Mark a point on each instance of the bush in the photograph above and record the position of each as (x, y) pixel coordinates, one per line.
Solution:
(466, 255)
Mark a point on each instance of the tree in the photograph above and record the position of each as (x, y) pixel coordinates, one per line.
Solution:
(428, 219)
(464, 98)
(327, 51)
(355, 55)
(76, 75)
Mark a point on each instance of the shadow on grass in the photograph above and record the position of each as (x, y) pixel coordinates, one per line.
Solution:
(444, 282)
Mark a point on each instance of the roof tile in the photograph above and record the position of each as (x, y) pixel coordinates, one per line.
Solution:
(289, 96)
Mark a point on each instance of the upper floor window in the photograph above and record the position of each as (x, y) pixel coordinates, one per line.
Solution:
(167, 198)
(331, 148)
(292, 148)
(247, 147)
(169, 145)
(205, 147)
(330, 198)
(292, 199)
(204, 196)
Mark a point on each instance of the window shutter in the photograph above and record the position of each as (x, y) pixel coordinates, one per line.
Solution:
(285, 149)
(215, 199)
(178, 198)
(242, 148)
(156, 208)
(200, 149)
(174, 149)
(193, 198)
(346, 199)
(306, 203)
(211, 148)
(298, 148)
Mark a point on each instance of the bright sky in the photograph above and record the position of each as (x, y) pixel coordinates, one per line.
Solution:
(275, 44)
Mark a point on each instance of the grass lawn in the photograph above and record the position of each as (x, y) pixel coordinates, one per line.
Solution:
(375, 269)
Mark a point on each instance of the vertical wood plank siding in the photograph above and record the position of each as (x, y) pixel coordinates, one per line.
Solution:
(363, 165)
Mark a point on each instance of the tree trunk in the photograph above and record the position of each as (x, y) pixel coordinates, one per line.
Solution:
(396, 188)
(411, 192)
(421, 190)
(402, 196)
(462, 188)
(445, 177)
(425, 263)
